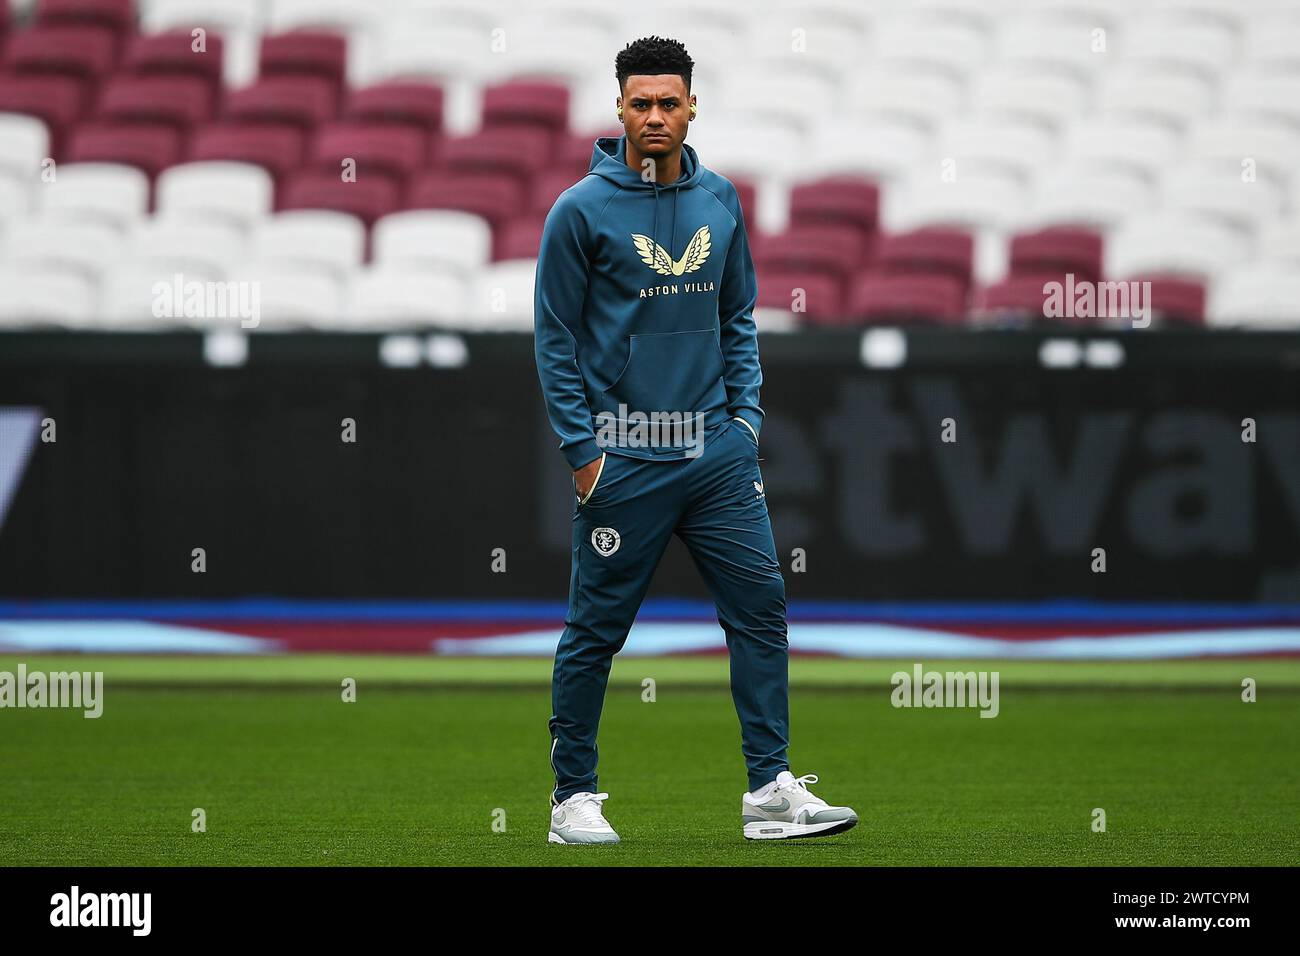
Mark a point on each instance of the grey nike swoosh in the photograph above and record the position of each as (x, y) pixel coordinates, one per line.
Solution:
(776, 807)
(561, 817)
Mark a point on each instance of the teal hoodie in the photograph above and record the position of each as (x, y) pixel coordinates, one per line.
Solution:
(643, 304)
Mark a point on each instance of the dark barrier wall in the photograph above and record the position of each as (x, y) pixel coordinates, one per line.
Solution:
(158, 453)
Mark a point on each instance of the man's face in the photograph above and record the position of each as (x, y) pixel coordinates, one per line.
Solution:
(656, 110)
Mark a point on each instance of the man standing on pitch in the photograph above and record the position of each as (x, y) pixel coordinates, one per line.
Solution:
(648, 358)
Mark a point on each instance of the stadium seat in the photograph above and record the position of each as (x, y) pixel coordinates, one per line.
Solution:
(108, 191)
(1280, 241)
(819, 300)
(936, 299)
(1130, 142)
(1272, 95)
(372, 195)
(972, 200)
(1272, 41)
(833, 250)
(519, 153)
(1054, 252)
(1045, 96)
(187, 246)
(395, 151)
(1195, 44)
(297, 298)
(501, 297)
(1018, 147)
(921, 96)
(148, 147)
(141, 297)
(87, 248)
(419, 105)
(227, 16)
(1020, 301)
(1270, 143)
(305, 53)
(1264, 296)
(176, 101)
(1217, 190)
(791, 92)
(520, 239)
(301, 101)
(1147, 93)
(944, 43)
(343, 15)
(1175, 301)
(1047, 38)
(837, 200)
(1173, 244)
(419, 239)
(496, 198)
(388, 297)
(549, 183)
(277, 149)
(240, 193)
(527, 103)
(330, 241)
(448, 53)
(83, 52)
(171, 54)
(24, 144)
(32, 299)
(1089, 196)
(15, 199)
(948, 252)
(57, 101)
(117, 15)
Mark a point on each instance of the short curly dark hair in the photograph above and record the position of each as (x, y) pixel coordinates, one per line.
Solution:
(651, 56)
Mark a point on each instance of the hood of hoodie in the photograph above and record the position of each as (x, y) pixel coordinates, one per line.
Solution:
(608, 163)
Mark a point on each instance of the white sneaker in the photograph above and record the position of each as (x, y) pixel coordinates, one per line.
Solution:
(579, 820)
(788, 810)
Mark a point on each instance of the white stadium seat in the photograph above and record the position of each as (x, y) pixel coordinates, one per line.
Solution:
(1042, 95)
(386, 297)
(1173, 243)
(919, 95)
(1085, 196)
(89, 247)
(1125, 142)
(332, 241)
(238, 192)
(1265, 296)
(1218, 190)
(1274, 95)
(438, 238)
(186, 246)
(33, 298)
(1147, 93)
(501, 297)
(108, 191)
(24, 145)
(1280, 242)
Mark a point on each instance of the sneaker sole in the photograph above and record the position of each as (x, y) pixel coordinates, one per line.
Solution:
(553, 837)
(776, 830)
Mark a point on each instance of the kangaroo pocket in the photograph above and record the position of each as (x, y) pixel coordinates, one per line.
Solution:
(669, 372)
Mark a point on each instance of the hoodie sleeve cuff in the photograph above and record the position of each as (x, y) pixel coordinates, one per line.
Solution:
(752, 419)
(583, 453)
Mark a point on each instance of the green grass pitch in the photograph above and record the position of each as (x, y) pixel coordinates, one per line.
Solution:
(434, 750)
